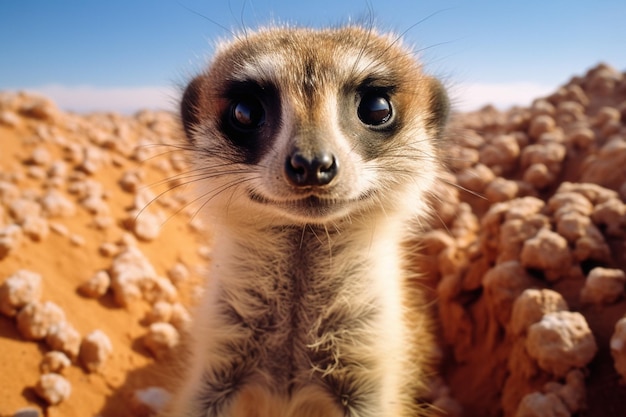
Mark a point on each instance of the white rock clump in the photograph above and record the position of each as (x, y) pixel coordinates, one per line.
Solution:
(36, 228)
(161, 311)
(54, 362)
(161, 339)
(55, 204)
(618, 347)
(178, 274)
(10, 239)
(181, 319)
(35, 319)
(561, 341)
(95, 349)
(612, 214)
(53, 388)
(21, 288)
(531, 306)
(145, 224)
(64, 337)
(23, 208)
(537, 404)
(572, 393)
(603, 286)
(96, 286)
(130, 272)
(547, 251)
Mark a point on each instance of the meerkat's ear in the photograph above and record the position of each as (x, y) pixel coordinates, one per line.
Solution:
(191, 105)
(439, 106)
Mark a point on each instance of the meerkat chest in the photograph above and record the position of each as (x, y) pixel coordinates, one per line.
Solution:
(300, 299)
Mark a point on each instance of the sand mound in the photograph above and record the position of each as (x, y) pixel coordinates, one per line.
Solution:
(101, 254)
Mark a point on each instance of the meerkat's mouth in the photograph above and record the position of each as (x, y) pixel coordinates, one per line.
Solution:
(311, 205)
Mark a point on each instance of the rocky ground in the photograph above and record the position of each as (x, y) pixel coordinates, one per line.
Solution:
(101, 253)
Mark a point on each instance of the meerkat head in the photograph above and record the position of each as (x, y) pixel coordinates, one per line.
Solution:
(303, 126)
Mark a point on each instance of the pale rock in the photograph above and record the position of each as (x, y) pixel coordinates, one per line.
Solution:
(514, 233)
(475, 178)
(612, 215)
(179, 273)
(35, 319)
(54, 362)
(93, 159)
(63, 337)
(541, 124)
(539, 176)
(97, 285)
(55, 204)
(180, 317)
(550, 154)
(462, 158)
(606, 115)
(561, 341)
(581, 137)
(595, 193)
(53, 388)
(606, 167)
(572, 226)
(592, 246)
(145, 224)
(500, 154)
(501, 189)
(572, 393)
(22, 208)
(10, 239)
(161, 312)
(161, 339)
(131, 180)
(547, 251)
(130, 272)
(21, 288)
(523, 208)
(109, 249)
(603, 286)
(158, 289)
(618, 347)
(40, 108)
(40, 156)
(537, 404)
(36, 228)
(10, 119)
(531, 306)
(95, 349)
(77, 240)
(36, 172)
(503, 284)
(59, 228)
(95, 205)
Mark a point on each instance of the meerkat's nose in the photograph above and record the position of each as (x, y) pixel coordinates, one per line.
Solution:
(302, 170)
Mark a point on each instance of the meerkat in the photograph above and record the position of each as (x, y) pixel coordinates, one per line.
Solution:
(313, 150)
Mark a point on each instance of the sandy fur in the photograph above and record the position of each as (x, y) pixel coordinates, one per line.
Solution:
(310, 313)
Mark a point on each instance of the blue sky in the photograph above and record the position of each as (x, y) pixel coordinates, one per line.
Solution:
(124, 55)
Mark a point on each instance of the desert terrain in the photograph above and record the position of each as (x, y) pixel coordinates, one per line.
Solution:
(103, 252)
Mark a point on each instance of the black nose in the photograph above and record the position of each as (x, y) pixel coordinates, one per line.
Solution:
(318, 170)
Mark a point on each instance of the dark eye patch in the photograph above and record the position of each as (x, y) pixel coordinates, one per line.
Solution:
(251, 117)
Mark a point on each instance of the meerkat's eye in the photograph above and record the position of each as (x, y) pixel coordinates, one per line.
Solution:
(247, 114)
(374, 109)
